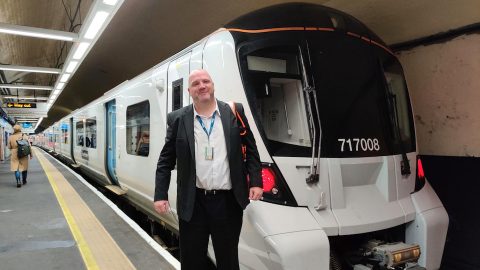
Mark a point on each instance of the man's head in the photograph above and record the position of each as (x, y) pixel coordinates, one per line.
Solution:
(201, 87)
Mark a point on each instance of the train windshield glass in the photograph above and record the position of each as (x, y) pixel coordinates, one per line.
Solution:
(360, 92)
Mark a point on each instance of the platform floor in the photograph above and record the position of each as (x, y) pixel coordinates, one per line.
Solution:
(56, 221)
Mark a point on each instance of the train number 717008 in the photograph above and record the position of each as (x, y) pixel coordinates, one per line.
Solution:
(359, 144)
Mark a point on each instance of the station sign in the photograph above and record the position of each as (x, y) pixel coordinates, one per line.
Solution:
(27, 125)
(21, 105)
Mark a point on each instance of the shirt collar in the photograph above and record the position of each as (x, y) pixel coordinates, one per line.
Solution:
(195, 113)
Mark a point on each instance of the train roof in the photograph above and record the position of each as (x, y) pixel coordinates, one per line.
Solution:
(302, 15)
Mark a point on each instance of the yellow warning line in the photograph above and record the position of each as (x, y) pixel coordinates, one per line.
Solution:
(98, 249)
(77, 235)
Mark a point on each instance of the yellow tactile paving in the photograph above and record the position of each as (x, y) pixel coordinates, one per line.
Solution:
(98, 249)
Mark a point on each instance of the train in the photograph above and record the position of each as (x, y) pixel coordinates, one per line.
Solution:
(328, 104)
(6, 130)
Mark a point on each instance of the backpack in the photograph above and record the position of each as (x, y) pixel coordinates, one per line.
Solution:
(241, 125)
(23, 148)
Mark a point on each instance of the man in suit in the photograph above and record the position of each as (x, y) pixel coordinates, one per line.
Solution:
(204, 141)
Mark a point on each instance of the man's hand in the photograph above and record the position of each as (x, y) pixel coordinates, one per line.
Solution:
(161, 207)
(255, 193)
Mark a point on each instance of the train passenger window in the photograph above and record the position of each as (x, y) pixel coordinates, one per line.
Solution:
(91, 132)
(79, 131)
(138, 129)
(64, 128)
(177, 96)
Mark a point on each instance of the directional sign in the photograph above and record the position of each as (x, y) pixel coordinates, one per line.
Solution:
(22, 105)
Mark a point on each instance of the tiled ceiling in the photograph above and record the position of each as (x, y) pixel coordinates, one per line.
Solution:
(144, 32)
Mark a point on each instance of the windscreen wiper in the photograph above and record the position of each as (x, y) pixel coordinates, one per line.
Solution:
(313, 174)
(405, 164)
(394, 122)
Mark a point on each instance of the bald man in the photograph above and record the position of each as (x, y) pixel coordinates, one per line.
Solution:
(212, 189)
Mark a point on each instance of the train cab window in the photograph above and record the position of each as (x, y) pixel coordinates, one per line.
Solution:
(91, 132)
(274, 88)
(138, 129)
(177, 94)
(80, 134)
(397, 89)
(283, 113)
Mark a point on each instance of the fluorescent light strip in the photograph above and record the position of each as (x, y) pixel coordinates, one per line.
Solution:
(56, 92)
(30, 69)
(19, 86)
(15, 97)
(71, 66)
(37, 32)
(65, 77)
(81, 50)
(60, 86)
(110, 2)
(96, 24)
(38, 123)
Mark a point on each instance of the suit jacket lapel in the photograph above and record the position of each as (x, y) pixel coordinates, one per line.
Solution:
(226, 116)
(188, 124)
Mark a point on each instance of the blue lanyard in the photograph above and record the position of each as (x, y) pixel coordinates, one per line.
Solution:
(203, 125)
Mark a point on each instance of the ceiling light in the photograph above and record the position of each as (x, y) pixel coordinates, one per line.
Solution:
(96, 24)
(30, 69)
(37, 32)
(110, 2)
(71, 66)
(15, 97)
(20, 86)
(38, 123)
(60, 86)
(65, 77)
(81, 49)
(56, 92)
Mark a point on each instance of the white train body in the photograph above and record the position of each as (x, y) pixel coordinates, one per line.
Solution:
(353, 195)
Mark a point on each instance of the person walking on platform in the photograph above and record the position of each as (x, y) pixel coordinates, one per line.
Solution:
(17, 164)
(203, 139)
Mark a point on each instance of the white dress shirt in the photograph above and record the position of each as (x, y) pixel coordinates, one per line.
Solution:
(214, 173)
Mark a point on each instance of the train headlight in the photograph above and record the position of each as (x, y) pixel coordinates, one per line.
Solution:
(420, 176)
(275, 189)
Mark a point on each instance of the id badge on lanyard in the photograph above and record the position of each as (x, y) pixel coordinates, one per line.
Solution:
(208, 149)
(208, 152)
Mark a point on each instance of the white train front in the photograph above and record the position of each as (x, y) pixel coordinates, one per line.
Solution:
(356, 199)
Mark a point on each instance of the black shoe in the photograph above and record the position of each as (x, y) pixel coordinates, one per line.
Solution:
(19, 185)
(24, 182)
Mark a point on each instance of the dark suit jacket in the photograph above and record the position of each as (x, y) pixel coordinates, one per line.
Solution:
(179, 148)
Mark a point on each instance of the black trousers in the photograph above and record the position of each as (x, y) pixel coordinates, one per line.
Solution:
(216, 215)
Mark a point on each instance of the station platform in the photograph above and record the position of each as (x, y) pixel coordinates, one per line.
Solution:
(58, 221)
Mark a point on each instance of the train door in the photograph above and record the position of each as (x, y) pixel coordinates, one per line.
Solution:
(177, 97)
(111, 140)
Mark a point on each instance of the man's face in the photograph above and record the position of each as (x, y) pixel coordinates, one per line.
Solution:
(200, 86)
